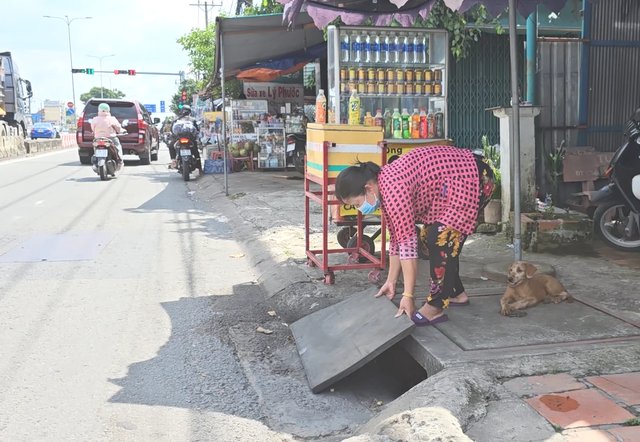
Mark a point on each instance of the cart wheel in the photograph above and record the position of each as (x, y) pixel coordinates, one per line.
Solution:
(330, 279)
(310, 263)
(345, 234)
(367, 244)
(423, 251)
(354, 258)
(374, 276)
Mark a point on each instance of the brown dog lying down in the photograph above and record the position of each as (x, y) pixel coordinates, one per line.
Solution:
(526, 289)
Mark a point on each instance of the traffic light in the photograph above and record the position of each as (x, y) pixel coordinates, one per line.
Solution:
(90, 71)
(184, 95)
(132, 72)
(78, 71)
(116, 72)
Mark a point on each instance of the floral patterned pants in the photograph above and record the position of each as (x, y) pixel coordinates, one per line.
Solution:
(444, 244)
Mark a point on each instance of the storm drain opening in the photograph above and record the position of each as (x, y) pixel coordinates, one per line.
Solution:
(382, 380)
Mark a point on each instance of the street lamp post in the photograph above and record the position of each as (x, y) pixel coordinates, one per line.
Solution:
(100, 58)
(68, 22)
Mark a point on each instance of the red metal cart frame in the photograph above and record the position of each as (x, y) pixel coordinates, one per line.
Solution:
(320, 258)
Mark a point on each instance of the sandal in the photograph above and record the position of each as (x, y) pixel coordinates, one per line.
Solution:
(421, 321)
(454, 304)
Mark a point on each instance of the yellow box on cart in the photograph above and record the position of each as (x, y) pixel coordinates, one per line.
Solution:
(395, 148)
(350, 143)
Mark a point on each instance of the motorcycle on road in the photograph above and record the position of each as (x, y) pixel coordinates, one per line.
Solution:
(187, 156)
(617, 218)
(105, 156)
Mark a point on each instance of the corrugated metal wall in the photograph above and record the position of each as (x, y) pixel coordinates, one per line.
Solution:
(614, 89)
(480, 81)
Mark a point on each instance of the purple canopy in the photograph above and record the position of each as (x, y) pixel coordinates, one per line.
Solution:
(405, 12)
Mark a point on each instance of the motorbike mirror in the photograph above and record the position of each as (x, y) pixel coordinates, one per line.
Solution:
(156, 120)
(125, 122)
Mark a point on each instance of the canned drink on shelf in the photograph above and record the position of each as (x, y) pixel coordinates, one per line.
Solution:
(352, 85)
(408, 88)
(361, 88)
(382, 75)
(352, 74)
(343, 87)
(371, 88)
(437, 89)
(399, 75)
(362, 74)
(391, 75)
(428, 89)
(437, 75)
(381, 88)
(428, 75)
(408, 75)
(419, 75)
(343, 74)
(371, 75)
(400, 88)
(391, 88)
(418, 89)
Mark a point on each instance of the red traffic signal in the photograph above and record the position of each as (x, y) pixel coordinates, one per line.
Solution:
(116, 72)
(184, 95)
(132, 72)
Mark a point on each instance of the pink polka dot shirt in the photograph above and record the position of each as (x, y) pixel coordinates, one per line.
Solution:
(429, 184)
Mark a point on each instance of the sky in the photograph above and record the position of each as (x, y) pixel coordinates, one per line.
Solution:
(141, 33)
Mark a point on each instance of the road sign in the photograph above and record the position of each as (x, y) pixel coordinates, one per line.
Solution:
(162, 109)
(69, 105)
(70, 112)
(150, 107)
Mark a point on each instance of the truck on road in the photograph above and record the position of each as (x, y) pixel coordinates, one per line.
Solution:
(14, 93)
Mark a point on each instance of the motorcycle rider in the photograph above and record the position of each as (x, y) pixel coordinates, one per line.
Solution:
(104, 125)
(185, 115)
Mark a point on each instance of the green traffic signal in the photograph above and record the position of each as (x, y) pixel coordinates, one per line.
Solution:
(90, 71)
(179, 106)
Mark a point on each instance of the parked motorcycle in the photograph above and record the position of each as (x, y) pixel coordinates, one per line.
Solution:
(105, 156)
(187, 155)
(296, 150)
(617, 218)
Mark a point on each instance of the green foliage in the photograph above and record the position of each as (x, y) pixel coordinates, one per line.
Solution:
(492, 155)
(189, 85)
(200, 47)
(633, 422)
(95, 92)
(553, 168)
(266, 7)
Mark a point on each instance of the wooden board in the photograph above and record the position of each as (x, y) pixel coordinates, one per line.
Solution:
(338, 340)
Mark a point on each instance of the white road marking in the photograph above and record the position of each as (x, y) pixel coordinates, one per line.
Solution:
(19, 160)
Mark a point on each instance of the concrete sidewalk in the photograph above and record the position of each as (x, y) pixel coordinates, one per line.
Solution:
(469, 357)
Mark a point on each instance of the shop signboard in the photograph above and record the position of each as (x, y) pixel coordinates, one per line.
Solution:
(277, 94)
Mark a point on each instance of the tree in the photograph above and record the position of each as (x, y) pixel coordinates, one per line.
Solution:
(266, 7)
(189, 85)
(96, 92)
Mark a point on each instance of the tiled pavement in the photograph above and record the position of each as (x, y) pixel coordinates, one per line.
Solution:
(593, 409)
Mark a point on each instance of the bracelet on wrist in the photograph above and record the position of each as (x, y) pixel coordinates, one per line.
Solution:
(409, 295)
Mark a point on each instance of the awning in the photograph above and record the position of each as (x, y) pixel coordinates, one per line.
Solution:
(247, 41)
(272, 69)
(405, 12)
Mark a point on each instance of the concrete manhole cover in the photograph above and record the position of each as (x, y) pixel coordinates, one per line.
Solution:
(480, 326)
(61, 247)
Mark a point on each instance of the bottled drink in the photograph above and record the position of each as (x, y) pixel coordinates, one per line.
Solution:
(321, 108)
(407, 49)
(422, 52)
(406, 124)
(376, 49)
(388, 124)
(354, 108)
(368, 120)
(418, 49)
(379, 119)
(431, 124)
(424, 130)
(439, 123)
(397, 123)
(366, 52)
(415, 124)
(356, 47)
(345, 47)
(394, 49)
(384, 51)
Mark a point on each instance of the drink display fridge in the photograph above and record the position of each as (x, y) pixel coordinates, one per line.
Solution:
(399, 76)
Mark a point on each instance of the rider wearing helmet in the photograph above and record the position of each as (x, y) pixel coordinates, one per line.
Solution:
(104, 125)
(185, 115)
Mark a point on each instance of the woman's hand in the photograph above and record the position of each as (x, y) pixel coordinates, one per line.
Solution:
(388, 290)
(408, 306)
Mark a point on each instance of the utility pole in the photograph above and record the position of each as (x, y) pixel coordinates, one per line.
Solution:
(206, 9)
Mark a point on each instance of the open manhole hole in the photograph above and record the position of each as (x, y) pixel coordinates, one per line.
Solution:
(385, 378)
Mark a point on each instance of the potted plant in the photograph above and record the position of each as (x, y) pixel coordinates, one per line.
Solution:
(493, 210)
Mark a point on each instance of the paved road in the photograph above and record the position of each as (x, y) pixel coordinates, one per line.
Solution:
(121, 342)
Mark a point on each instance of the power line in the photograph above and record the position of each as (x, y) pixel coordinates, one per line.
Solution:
(206, 8)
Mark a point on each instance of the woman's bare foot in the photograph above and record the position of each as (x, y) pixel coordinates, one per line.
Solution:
(430, 312)
(461, 298)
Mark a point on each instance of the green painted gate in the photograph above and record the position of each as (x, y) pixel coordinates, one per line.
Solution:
(480, 81)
